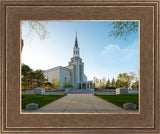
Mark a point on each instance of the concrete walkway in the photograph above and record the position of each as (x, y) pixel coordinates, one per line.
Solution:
(80, 103)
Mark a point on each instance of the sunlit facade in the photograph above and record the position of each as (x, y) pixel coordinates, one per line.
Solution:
(72, 74)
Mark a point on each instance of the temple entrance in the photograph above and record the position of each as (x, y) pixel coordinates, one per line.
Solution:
(83, 86)
(86, 85)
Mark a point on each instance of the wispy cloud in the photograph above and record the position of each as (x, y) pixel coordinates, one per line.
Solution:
(114, 54)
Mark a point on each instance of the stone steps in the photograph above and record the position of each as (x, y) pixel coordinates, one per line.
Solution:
(79, 91)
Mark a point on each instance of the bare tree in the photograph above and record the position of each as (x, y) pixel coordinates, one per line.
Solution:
(35, 27)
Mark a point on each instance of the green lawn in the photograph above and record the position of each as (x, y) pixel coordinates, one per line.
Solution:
(121, 99)
(38, 99)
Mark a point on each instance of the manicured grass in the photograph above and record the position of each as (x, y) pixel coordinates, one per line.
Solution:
(38, 99)
(121, 99)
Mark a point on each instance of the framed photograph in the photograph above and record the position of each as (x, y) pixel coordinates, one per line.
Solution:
(47, 76)
(79, 66)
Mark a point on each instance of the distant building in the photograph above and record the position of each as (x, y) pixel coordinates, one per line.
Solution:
(72, 74)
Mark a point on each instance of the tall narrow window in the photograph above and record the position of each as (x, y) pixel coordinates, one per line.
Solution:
(80, 73)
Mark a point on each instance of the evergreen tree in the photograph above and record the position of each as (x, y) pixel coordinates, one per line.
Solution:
(25, 69)
(108, 84)
(39, 78)
(33, 79)
(113, 83)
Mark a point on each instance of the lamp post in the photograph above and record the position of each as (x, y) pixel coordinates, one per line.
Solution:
(94, 82)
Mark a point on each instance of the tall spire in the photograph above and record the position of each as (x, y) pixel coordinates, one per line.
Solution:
(76, 48)
(76, 42)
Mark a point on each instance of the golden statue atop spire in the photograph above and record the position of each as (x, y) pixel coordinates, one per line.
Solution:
(76, 42)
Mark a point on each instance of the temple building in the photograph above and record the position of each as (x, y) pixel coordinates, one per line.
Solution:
(72, 74)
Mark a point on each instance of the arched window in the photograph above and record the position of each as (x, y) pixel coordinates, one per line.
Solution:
(65, 80)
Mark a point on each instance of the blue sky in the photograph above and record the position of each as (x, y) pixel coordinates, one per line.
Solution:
(103, 56)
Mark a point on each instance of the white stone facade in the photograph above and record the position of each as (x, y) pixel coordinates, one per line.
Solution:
(73, 73)
(61, 73)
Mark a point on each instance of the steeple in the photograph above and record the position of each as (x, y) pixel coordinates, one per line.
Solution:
(76, 48)
(76, 42)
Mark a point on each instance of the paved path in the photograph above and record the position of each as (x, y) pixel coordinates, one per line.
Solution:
(80, 103)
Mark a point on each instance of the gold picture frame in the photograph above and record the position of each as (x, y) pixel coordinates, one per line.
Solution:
(147, 12)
